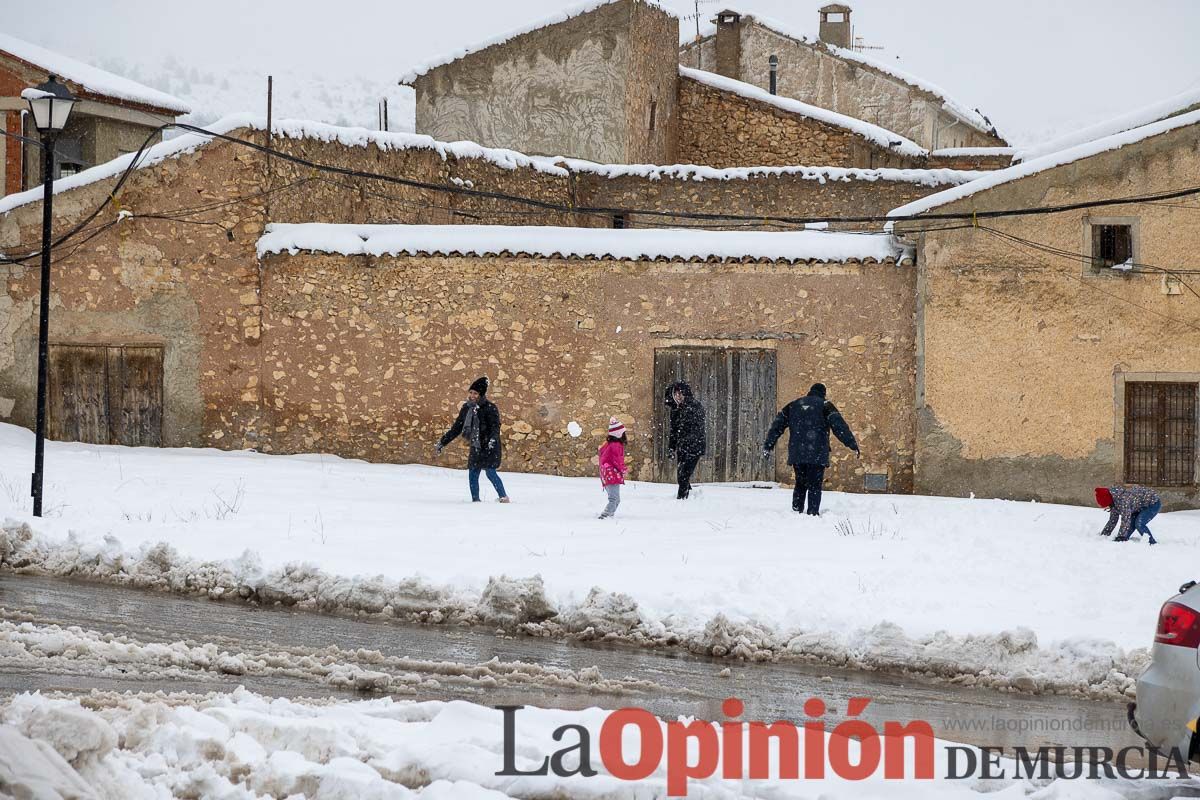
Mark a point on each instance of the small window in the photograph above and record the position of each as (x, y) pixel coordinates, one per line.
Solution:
(620, 221)
(835, 16)
(1160, 433)
(653, 113)
(1112, 245)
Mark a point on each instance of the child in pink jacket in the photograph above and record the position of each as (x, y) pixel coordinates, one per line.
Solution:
(612, 466)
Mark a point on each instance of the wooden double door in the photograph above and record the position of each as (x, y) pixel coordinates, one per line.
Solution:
(737, 388)
(106, 394)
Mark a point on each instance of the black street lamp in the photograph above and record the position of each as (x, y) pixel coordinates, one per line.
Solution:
(50, 105)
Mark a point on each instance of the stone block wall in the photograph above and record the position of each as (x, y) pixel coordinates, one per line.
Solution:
(722, 129)
(371, 357)
(806, 193)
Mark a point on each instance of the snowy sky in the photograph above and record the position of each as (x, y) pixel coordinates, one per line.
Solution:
(1037, 68)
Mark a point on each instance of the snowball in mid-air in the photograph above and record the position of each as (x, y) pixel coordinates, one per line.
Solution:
(574, 428)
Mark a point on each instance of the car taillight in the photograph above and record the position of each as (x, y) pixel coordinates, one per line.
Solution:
(1178, 625)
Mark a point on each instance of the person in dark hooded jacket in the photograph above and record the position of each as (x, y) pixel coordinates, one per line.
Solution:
(686, 436)
(809, 420)
(479, 423)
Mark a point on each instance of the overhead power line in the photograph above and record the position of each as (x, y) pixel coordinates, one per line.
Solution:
(560, 208)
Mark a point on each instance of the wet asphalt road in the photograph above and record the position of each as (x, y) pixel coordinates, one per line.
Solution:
(691, 685)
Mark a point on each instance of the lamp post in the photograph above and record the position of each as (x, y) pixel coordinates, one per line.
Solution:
(50, 104)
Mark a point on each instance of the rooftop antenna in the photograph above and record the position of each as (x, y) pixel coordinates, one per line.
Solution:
(860, 44)
(696, 18)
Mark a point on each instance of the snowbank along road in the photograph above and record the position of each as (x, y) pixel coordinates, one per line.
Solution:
(990, 593)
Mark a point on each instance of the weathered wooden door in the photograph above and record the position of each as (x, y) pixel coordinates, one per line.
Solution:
(106, 394)
(737, 388)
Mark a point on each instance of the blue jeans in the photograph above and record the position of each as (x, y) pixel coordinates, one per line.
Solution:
(473, 480)
(1144, 516)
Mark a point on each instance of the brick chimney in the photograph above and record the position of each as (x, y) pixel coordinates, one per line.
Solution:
(729, 44)
(835, 26)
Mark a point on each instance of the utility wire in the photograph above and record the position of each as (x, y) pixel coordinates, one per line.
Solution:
(550, 206)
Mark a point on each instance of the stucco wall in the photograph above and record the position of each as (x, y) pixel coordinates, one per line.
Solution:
(1022, 351)
(808, 73)
(578, 88)
(371, 357)
(722, 129)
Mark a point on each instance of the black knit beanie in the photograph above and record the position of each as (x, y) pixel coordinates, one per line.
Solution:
(480, 385)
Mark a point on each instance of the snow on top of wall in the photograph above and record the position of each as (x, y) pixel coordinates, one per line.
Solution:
(957, 109)
(590, 243)
(1027, 168)
(565, 14)
(889, 140)
(973, 151)
(93, 79)
(291, 129)
(695, 172)
(1134, 119)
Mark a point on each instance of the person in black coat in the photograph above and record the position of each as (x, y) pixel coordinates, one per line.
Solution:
(686, 437)
(479, 423)
(809, 420)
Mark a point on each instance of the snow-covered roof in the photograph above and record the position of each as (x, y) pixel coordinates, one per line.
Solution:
(639, 244)
(695, 172)
(950, 152)
(92, 79)
(959, 110)
(889, 140)
(1034, 166)
(559, 16)
(291, 129)
(1175, 104)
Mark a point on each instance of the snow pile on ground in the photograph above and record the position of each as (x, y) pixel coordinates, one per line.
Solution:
(57, 650)
(561, 242)
(889, 140)
(243, 746)
(992, 593)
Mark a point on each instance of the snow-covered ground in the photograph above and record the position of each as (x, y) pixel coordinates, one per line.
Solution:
(984, 592)
(241, 745)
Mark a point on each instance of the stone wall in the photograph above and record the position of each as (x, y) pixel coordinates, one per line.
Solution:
(651, 92)
(1023, 353)
(803, 192)
(722, 129)
(193, 287)
(371, 357)
(239, 338)
(567, 89)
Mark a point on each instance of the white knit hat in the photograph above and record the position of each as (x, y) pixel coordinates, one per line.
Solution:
(615, 428)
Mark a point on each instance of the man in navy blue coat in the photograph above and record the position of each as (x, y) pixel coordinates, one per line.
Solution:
(809, 420)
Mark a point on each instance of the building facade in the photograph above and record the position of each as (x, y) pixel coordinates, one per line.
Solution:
(599, 85)
(114, 115)
(825, 70)
(1059, 352)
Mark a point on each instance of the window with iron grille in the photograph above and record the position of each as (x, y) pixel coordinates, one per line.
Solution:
(1111, 245)
(1160, 433)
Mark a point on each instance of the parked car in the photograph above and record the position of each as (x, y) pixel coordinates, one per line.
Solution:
(1168, 692)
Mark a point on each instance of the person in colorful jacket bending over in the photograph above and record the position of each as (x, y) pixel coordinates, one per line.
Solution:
(612, 466)
(1132, 506)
